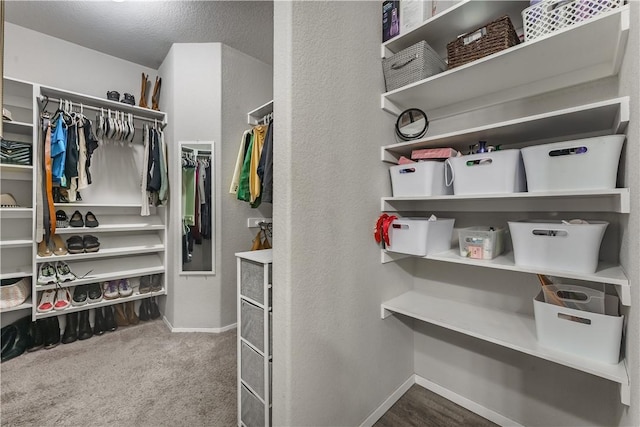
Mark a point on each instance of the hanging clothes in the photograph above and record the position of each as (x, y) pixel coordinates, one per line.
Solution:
(244, 143)
(58, 150)
(265, 167)
(255, 185)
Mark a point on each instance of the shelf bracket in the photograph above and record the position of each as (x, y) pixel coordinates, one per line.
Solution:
(624, 292)
(386, 257)
(625, 394)
(389, 106)
(384, 313)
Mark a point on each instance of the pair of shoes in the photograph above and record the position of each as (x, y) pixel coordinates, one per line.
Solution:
(90, 220)
(149, 309)
(78, 245)
(127, 98)
(84, 294)
(57, 273)
(60, 195)
(59, 247)
(70, 329)
(152, 283)
(126, 314)
(53, 299)
(117, 288)
(104, 321)
(50, 330)
(36, 341)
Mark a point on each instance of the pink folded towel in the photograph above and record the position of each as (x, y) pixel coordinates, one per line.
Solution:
(433, 153)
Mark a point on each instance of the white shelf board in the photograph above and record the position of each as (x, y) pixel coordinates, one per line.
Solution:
(25, 305)
(516, 72)
(16, 212)
(459, 19)
(615, 200)
(22, 271)
(15, 243)
(82, 205)
(16, 172)
(113, 223)
(254, 116)
(599, 118)
(511, 330)
(113, 246)
(20, 128)
(102, 303)
(264, 256)
(122, 268)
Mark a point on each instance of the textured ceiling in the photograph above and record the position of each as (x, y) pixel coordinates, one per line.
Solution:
(143, 31)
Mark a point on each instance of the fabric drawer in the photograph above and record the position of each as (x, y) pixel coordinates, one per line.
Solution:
(252, 410)
(252, 280)
(252, 327)
(252, 369)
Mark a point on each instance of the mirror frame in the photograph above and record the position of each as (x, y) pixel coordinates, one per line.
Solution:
(197, 145)
(411, 112)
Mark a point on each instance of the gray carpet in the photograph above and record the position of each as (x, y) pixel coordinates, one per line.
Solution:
(139, 375)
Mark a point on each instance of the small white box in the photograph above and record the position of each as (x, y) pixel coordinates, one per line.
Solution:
(588, 335)
(556, 246)
(481, 242)
(419, 179)
(496, 172)
(413, 13)
(580, 164)
(420, 236)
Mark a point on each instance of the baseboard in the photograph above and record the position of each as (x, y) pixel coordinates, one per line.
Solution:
(466, 403)
(388, 403)
(205, 330)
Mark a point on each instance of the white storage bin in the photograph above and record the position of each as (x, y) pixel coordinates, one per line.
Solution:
(487, 173)
(481, 242)
(588, 335)
(419, 179)
(556, 246)
(575, 297)
(419, 236)
(580, 164)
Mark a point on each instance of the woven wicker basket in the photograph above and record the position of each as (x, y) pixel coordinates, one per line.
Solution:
(415, 63)
(14, 292)
(486, 40)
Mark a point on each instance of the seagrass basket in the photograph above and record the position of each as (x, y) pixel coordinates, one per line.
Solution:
(14, 292)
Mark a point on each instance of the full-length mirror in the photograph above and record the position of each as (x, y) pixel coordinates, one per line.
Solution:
(196, 208)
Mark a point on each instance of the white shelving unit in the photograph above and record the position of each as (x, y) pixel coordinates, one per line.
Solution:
(254, 337)
(502, 77)
(256, 116)
(515, 73)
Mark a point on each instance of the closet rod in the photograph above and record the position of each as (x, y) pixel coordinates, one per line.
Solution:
(99, 109)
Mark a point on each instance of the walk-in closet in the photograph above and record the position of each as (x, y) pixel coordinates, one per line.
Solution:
(288, 213)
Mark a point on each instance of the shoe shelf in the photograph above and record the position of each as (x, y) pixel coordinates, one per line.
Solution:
(114, 223)
(19, 128)
(515, 73)
(20, 271)
(25, 305)
(16, 213)
(104, 270)
(606, 273)
(16, 172)
(101, 303)
(508, 329)
(15, 243)
(594, 119)
(82, 205)
(112, 246)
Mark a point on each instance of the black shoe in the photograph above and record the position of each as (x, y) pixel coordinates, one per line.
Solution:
(144, 311)
(37, 336)
(109, 319)
(94, 292)
(52, 332)
(62, 221)
(84, 327)
(154, 311)
(71, 329)
(156, 282)
(76, 220)
(99, 325)
(80, 295)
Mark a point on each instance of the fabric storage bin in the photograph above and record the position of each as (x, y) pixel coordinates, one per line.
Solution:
(588, 335)
(415, 63)
(252, 410)
(481, 242)
(548, 16)
(252, 280)
(252, 327)
(495, 172)
(575, 297)
(484, 41)
(420, 236)
(556, 246)
(580, 164)
(252, 369)
(419, 179)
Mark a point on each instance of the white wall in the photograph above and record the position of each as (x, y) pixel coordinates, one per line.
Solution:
(202, 108)
(43, 59)
(334, 359)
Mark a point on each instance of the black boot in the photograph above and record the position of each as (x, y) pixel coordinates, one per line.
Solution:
(52, 332)
(99, 326)
(84, 327)
(154, 311)
(37, 336)
(71, 329)
(144, 312)
(109, 319)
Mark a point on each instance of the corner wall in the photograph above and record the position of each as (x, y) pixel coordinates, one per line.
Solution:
(334, 360)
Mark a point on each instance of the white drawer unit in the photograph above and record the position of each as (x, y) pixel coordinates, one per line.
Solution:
(254, 337)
